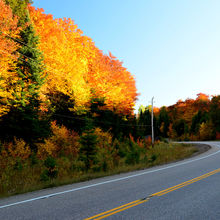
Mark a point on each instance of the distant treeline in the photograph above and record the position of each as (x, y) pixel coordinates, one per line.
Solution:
(191, 119)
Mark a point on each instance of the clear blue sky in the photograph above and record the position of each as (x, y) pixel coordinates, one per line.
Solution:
(171, 47)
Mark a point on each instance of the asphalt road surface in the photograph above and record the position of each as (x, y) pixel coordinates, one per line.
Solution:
(188, 189)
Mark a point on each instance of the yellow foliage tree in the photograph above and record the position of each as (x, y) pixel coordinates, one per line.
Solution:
(78, 69)
(66, 54)
(8, 30)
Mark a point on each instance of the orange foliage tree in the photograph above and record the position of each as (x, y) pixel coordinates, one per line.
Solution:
(194, 114)
(113, 82)
(187, 109)
(78, 69)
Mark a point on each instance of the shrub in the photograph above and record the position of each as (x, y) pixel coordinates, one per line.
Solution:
(51, 171)
(88, 142)
(133, 153)
(107, 150)
(13, 155)
(18, 149)
(62, 142)
(153, 158)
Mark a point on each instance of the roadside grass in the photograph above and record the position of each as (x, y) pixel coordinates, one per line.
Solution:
(26, 176)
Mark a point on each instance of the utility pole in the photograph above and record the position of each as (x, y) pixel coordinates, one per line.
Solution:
(152, 121)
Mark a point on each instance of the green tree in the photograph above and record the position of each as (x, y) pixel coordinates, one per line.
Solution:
(61, 106)
(19, 8)
(163, 122)
(88, 143)
(24, 120)
(197, 120)
(144, 123)
(29, 66)
(180, 127)
(215, 112)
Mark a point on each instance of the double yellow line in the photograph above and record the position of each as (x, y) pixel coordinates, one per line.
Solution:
(140, 201)
(117, 209)
(163, 192)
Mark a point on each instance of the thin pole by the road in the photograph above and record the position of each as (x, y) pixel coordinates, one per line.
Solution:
(152, 121)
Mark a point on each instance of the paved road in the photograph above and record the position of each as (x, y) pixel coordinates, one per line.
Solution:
(188, 189)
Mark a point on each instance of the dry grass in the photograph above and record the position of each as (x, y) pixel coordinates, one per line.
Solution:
(15, 181)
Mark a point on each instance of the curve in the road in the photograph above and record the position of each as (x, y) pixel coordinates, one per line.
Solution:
(111, 181)
(140, 201)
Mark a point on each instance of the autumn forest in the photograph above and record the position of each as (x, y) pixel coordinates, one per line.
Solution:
(67, 109)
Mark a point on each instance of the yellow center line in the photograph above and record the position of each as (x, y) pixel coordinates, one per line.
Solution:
(119, 207)
(163, 192)
(160, 193)
(186, 182)
(120, 210)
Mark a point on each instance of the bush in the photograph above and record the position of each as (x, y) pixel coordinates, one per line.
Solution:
(107, 151)
(88, 142)
(133, 154)
(153, 158)
(62, 142)
(44, 176)
(50, 163)
(51, 171)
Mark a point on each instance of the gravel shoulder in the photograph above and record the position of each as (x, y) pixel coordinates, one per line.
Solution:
(202, 148)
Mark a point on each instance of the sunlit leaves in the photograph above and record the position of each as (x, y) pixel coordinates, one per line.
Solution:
(8, 30)
(77, 68)
(109, 79)
(65, 55)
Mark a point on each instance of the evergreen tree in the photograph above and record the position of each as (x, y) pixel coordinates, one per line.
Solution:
(215, 112)
(23, 119)
(163, 122)
(140, 122)
(197, 120)
(29, 69)
(144, 122)
(60, 111)
(88, 143)
(180, 127)
(19, 8)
